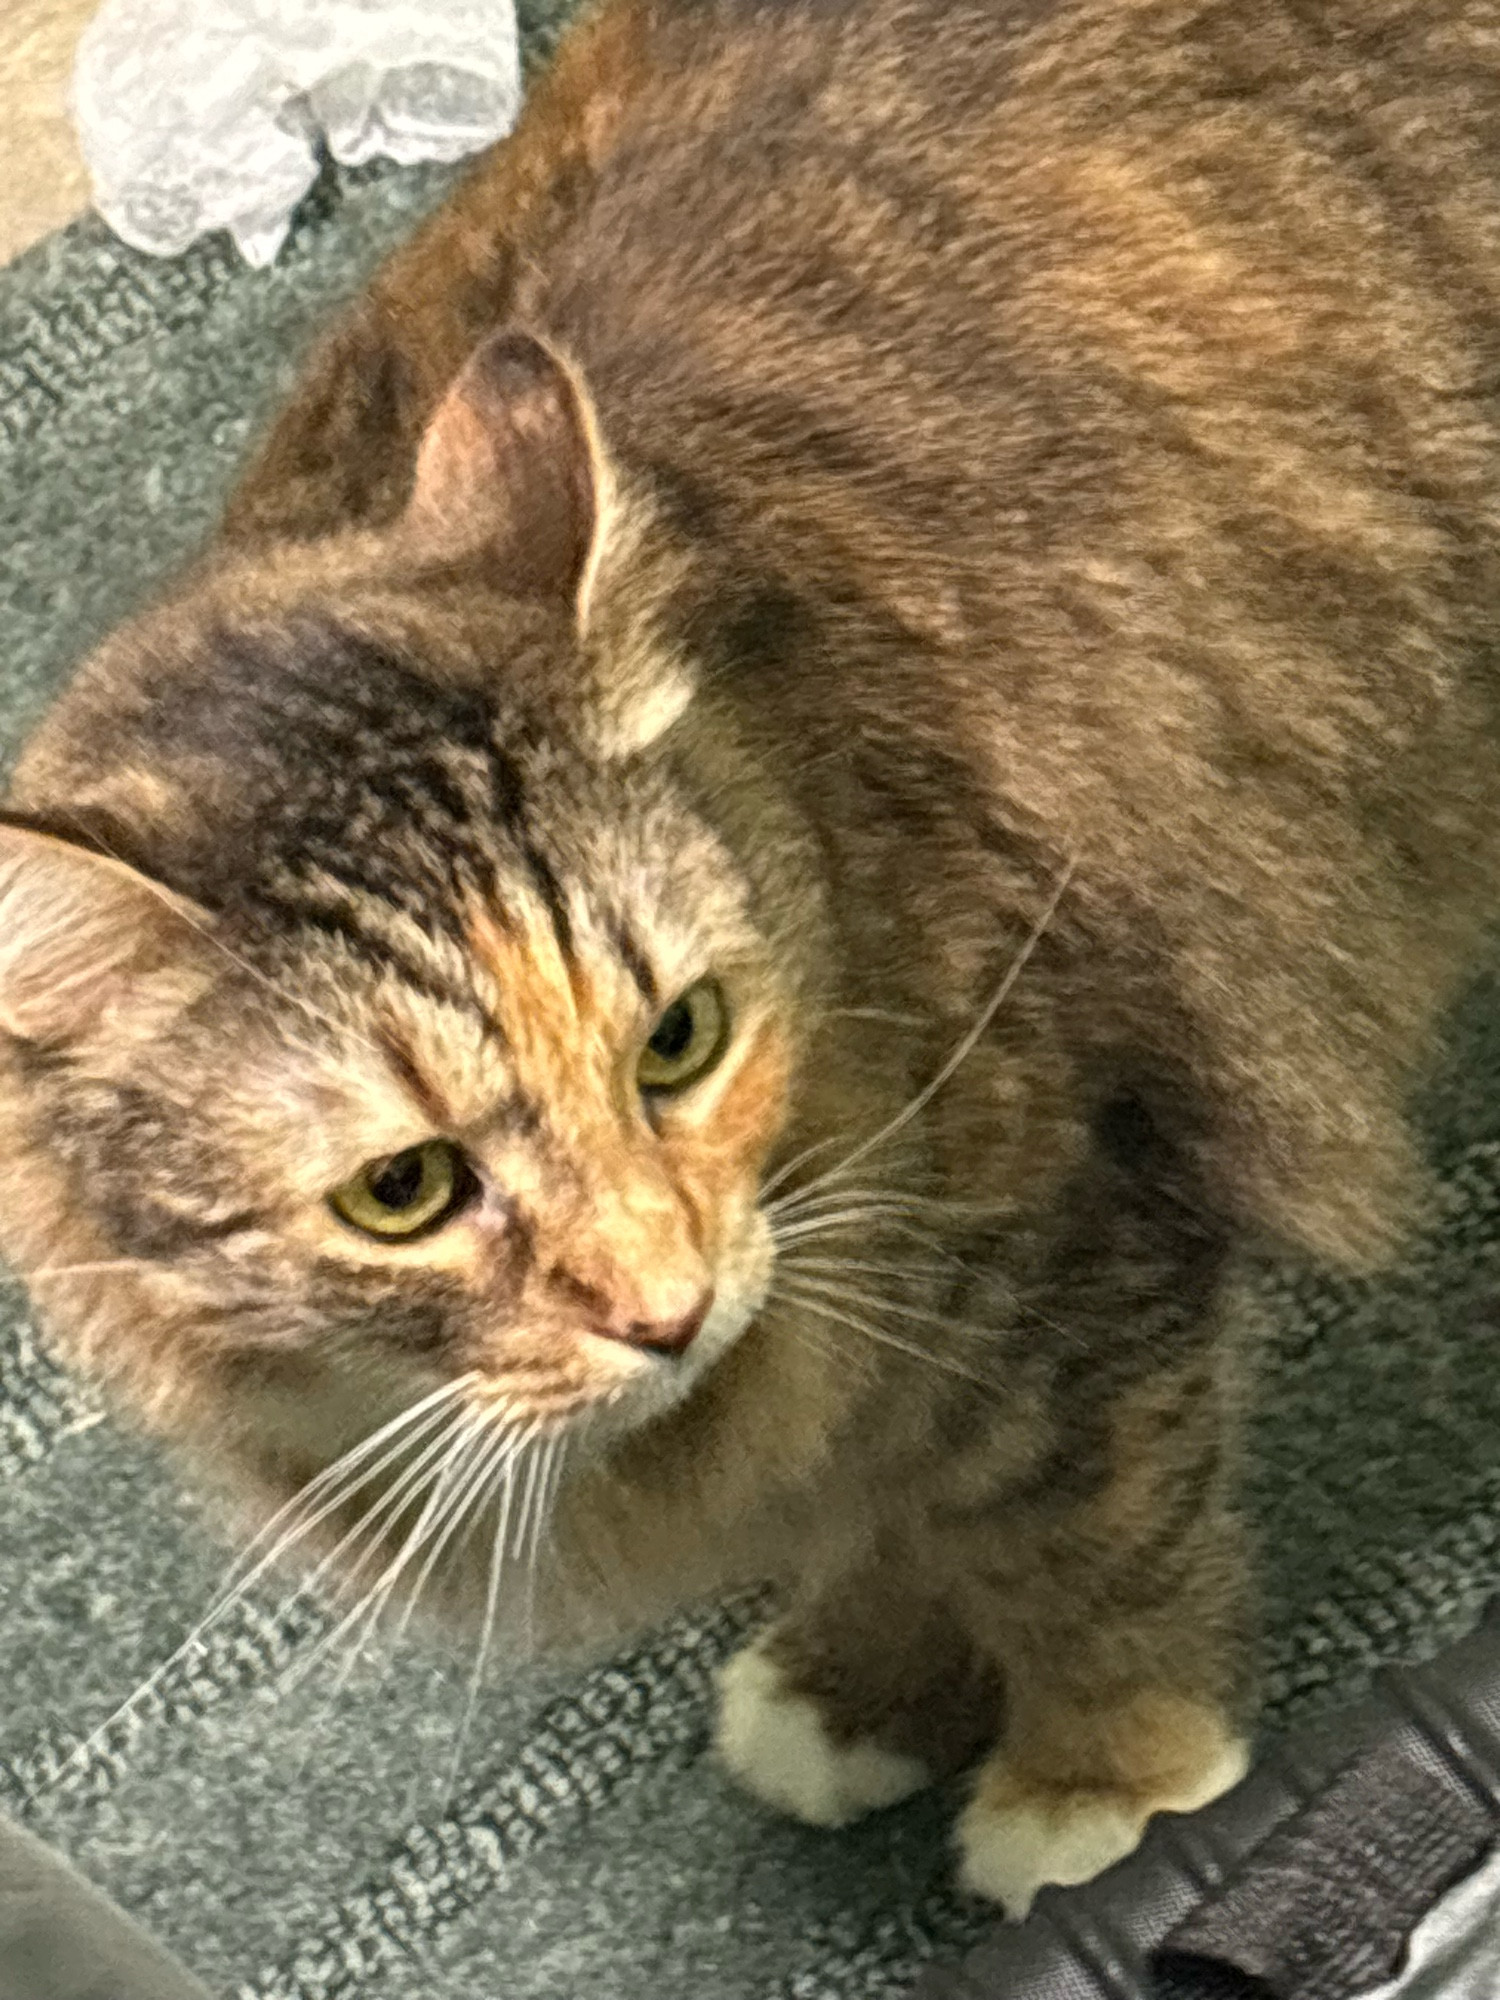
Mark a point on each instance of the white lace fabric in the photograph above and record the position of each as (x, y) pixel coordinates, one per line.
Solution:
(196, 115)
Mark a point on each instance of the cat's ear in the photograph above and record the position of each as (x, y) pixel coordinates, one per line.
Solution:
(510, 468)
(83, 936)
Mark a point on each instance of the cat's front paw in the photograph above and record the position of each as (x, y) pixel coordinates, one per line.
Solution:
(1017, 1835)
(773, 1740)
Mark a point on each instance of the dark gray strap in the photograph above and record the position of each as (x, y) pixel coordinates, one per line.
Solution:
(1326, 1909)
(1408, 1781)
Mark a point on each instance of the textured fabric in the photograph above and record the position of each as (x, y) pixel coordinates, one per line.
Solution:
(1455, 1953)
(302, 1844)
(1327, 1909)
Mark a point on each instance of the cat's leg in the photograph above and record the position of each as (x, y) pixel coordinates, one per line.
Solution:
(1114, 1710)
(860, 1695)
(1109, 1585)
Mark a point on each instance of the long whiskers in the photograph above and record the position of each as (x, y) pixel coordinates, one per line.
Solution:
(804, 1203)
(335, 1485)
(45, 1272)
(485, 1457)
(493, 1462)
(300, 1516)
(865, 1267)
(489, 1456)
(482, 1648)
(554, 1475)
(439, 1468)
(822, 1308)
(790, 1166)
(960, 1054)
(368, 1529)
(439, 1505)
(543, 1474)
(856, 1296)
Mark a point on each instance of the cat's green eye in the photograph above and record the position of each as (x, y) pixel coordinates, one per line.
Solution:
(688, 1040)
(407, 1193)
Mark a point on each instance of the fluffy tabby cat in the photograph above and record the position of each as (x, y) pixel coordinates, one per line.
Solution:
(847, 734)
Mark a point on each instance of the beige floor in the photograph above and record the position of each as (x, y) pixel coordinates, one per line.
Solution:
(42, 180)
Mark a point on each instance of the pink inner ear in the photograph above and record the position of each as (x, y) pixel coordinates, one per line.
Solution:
(78, 933)
(508, 470)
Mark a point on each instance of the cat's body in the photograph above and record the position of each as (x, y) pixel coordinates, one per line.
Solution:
(963, 522)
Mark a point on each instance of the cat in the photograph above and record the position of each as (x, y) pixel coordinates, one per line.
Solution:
(844, 741)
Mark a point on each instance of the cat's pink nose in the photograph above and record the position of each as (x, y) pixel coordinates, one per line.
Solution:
(664, 1336)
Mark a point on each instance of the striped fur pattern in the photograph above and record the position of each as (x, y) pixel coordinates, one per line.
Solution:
(980, 542)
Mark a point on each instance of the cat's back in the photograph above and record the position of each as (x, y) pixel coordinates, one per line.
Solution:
(1136, 358)
(1103, 398)
(908, 239)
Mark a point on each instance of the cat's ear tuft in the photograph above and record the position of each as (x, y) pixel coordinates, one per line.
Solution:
(82, 937)
(510, 469)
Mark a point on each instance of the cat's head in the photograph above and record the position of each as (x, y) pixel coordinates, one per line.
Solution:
(381, 1009)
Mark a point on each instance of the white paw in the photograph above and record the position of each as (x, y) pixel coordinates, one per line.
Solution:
(1008, 1852)
(775, 1744)
(1014, 1839)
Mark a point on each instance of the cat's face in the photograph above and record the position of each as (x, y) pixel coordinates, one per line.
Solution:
(433, 1041)
(519, 1137)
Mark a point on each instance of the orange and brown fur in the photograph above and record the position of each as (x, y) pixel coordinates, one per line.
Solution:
(893, 506)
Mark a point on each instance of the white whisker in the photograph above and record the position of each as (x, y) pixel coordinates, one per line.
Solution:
(855, 1295)
(454, 1458)
(820, 1307)
(816, 1197)
(856, 1214)
(387, 1509)
(790, 1166)
(489, 1455)
(44, 1272)
(432, 1405)
(494, 1446)
(861, 1264)
(541, 1515)
(429, 1435)
(505, 1502)
(368, 1529)
(528, 1488)
(481, 1653)
(966, 1045)
(240, 1579)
